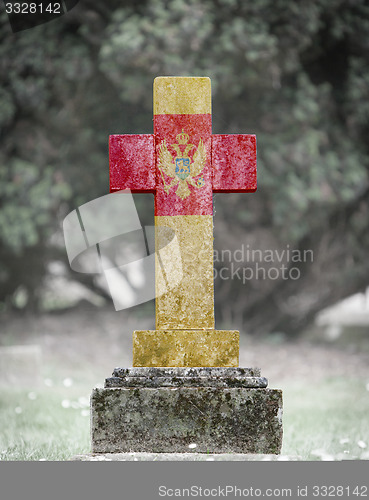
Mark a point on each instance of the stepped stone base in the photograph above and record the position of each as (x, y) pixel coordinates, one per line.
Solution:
(182, 457)
(179, 410)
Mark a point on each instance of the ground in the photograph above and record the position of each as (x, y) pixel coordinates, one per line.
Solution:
(326, 386)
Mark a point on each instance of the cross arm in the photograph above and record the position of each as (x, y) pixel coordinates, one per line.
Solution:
(234, 163)
(132, 163)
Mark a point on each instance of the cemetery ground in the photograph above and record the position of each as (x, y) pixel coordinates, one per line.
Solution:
(325, 385)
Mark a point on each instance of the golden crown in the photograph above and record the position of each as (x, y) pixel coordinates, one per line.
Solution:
(182, 138)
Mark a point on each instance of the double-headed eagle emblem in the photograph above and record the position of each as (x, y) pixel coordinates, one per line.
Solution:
(181, 170)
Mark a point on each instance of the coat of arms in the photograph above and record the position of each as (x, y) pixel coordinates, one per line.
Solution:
(182, 170)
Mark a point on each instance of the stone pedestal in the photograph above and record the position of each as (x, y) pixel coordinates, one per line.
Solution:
(185, 348)
(179, 410)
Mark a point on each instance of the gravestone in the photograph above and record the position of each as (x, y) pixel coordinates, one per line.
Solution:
(185, 391)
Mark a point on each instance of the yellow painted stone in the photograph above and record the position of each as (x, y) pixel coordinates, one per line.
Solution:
(185, 348)
(185, 332)
(185, 95)
(190, 305)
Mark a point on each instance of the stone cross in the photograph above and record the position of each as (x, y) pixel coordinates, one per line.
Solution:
(183, 164)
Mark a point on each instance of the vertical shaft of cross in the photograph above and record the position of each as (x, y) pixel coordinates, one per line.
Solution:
(185, 334)
(182, 128)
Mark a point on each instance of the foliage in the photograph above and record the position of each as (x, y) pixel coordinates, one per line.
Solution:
(296, 74)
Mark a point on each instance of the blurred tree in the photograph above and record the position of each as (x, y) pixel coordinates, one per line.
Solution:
(296, 74)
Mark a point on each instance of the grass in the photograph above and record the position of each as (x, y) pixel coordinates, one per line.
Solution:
(325, 421)
(46, 424)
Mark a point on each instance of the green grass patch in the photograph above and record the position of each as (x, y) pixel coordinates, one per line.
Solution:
(327, 420)
(46, 424)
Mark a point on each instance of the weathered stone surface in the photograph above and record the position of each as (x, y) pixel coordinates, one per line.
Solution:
(193, 371)
(157, 420)
(186, 377)
(132, 162)
(183, 457)
(191, 304)
(213, 348)
(186, 382)
(234, 163)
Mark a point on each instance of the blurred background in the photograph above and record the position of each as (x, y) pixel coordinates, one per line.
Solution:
(296, 74)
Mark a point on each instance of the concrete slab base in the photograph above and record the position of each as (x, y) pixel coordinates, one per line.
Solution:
(211, 418)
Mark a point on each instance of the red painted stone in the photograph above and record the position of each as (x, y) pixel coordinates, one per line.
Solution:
(234, 163)
(147, 164)
(196, 190)
(132, 163)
